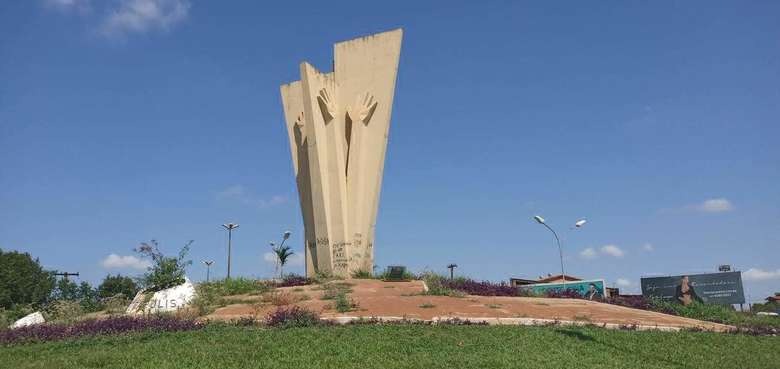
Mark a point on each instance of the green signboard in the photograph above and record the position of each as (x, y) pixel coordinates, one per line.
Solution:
(395, 273)
(711, 288)
(591, 289)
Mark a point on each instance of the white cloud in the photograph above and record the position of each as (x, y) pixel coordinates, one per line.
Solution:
(239, 193)
(588, 253)
(232, 192)
(270, 257)
(139, 16)
(115, 261)
(756, 274)
(648, 247)
(608, 250)
(623, 282)
(719, 205)
(68, 5)
(612, 250)
(295, 260)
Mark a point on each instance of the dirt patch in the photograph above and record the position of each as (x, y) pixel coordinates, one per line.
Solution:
(405, 299)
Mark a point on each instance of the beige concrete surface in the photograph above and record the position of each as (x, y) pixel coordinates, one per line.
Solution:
(338, 125)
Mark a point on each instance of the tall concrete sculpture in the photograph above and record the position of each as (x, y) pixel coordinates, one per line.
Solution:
(338, 124)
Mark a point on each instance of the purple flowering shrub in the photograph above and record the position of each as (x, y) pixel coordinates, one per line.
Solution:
(85, 328)
(292, 280)
(636, 302)
(483, 288)
(294, 316)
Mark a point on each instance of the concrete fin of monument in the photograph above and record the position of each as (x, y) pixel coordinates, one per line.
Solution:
(338, 124)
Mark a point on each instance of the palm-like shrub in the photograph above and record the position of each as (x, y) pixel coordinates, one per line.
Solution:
(283, 254)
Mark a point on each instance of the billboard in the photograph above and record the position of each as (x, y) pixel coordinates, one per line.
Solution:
(711, 288)
(591, 289)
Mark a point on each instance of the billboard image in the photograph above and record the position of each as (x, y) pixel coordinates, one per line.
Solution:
(710, 288)
(590, 289)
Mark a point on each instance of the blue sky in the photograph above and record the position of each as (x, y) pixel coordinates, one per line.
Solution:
(128, 120)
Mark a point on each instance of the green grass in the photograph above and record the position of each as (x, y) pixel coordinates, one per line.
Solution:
(402, 346)
(721, 314)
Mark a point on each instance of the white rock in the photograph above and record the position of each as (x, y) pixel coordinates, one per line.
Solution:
(167, 300)
(30, 319)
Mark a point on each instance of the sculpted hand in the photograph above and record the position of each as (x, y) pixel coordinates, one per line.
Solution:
(363, 109)
(327, 105)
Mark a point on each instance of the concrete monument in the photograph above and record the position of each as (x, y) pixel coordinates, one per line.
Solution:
(338, 124)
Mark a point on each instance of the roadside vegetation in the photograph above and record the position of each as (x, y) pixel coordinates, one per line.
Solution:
(296, 340)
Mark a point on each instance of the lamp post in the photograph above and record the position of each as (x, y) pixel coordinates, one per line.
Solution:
(577, 224)
(285, 236)
(541, 221)
(208, 268)
(230, 227)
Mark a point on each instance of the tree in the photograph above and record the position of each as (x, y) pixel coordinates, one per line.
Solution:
(282, 254)
(65, 289)
(23, 280)
(82, 293)
(117, 285)
(165, 271)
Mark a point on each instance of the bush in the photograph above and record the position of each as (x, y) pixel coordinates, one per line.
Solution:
(209, 296)
(334, 289)
(165, 272)
(23, 281)
(292, 317)
(279, 298)
(17, 312)
(439, 286)
(112, 325)
(344, 304)
(117, 285)
(483, 288)
(116, 304)
(361, 274)
(241, 286)
(83, 294)
(293, 280)
(65, 311)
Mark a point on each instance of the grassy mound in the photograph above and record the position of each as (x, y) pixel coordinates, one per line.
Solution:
(401, 346)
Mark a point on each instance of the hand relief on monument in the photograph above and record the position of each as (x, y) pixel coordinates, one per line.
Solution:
(338, 162)
(327, 106)
(363, 108)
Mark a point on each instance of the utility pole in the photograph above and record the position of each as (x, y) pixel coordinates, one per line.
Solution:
(452, 269)
(230, 227)
(65, 275)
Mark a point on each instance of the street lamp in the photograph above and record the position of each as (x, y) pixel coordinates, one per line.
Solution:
(577, 224)
(541, 221)
(208, 268)
(285, 236)
(230, 227)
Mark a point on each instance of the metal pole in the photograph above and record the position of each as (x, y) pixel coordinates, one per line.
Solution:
(208, 269)
(560, 252)
(230, 239)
